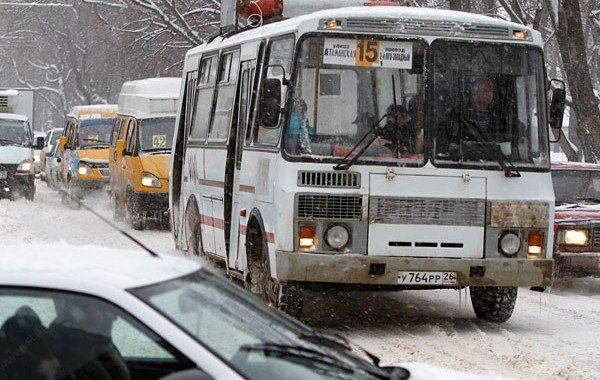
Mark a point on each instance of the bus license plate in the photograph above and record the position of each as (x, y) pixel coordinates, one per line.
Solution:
(3, 174)
(427, 278)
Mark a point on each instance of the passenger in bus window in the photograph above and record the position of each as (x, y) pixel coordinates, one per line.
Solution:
(365, 122)
(300, 131)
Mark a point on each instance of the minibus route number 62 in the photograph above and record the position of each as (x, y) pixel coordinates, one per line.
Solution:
(350, 148)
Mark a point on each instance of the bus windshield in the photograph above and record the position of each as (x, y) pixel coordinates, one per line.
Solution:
(156, 134)
(347, 87)
(13, 132)
(95, 132)
(488, 105)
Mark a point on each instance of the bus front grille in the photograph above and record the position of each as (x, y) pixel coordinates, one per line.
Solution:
(431, 211)
(323, 206)
(596, 237)
(340, 180)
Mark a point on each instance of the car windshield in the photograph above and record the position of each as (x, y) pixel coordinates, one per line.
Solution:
(489, 105)
(262, 344)
(573, 186)
(156, 133)
(13, 132)
(346, 87)
(95, 132)
(55, 136)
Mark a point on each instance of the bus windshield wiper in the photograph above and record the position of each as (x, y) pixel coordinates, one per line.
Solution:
(349, 159)
(496, 153)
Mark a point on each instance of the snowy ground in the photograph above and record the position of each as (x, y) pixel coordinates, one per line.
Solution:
(551, 335)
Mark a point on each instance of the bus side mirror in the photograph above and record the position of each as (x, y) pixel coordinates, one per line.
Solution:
(270, 105)
(62, 141)
(557, 105)
(120, 147)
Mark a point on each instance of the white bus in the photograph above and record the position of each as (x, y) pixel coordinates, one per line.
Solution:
(346, 147)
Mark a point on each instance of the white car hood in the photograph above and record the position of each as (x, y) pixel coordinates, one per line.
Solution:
(14, 154)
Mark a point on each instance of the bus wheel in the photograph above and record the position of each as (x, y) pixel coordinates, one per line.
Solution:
(493, 304)
(192, 229)
(286, 296)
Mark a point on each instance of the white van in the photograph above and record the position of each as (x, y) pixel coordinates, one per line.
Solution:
(16, 156)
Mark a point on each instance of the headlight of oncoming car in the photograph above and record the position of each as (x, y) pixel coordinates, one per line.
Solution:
(150, 180)
(83, 169)
(24, 166)
(573, 237)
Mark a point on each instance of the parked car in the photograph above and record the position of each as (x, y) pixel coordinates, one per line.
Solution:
(577, 219)
(50, 140)
(93, 312)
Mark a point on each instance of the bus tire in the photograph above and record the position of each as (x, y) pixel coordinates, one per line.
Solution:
(286, 296)
(192, 229)
(493, 303)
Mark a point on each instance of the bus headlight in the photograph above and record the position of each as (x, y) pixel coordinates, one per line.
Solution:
(24, 167)
(337, 237)
(83, 169)
(574, 237)
(509, 243)
(150, 180)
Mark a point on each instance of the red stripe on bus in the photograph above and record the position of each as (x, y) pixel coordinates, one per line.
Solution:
(220, 224)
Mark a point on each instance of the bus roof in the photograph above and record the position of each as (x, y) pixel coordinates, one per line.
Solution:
(412, 21)
(98, 111)
(150, 97)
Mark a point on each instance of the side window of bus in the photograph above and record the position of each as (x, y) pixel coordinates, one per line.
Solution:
(204, 98)
(190, 92)
(225, 93)
(130, 140)
(279, 53)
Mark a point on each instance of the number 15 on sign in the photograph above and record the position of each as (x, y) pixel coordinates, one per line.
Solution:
(367, 53)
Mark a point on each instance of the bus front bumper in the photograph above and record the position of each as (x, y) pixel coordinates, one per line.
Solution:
(371, 270)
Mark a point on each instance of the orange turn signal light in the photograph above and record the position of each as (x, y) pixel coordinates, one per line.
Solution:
(307, 236)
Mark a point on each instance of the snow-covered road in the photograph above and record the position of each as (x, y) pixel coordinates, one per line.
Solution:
(552, 335)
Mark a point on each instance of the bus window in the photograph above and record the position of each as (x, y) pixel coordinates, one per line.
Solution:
(228, 70)
(190, 91)
(130, 140)
(204, 98)
(280, 54)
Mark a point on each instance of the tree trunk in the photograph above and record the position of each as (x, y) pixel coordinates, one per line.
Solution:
(572, 47)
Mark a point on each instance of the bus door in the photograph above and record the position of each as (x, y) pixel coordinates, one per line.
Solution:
(217, 150)
(246, 79)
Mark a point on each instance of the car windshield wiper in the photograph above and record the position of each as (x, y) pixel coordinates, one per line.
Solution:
(298, 351)
(505, 163)
(349, 159)
(339, 342)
